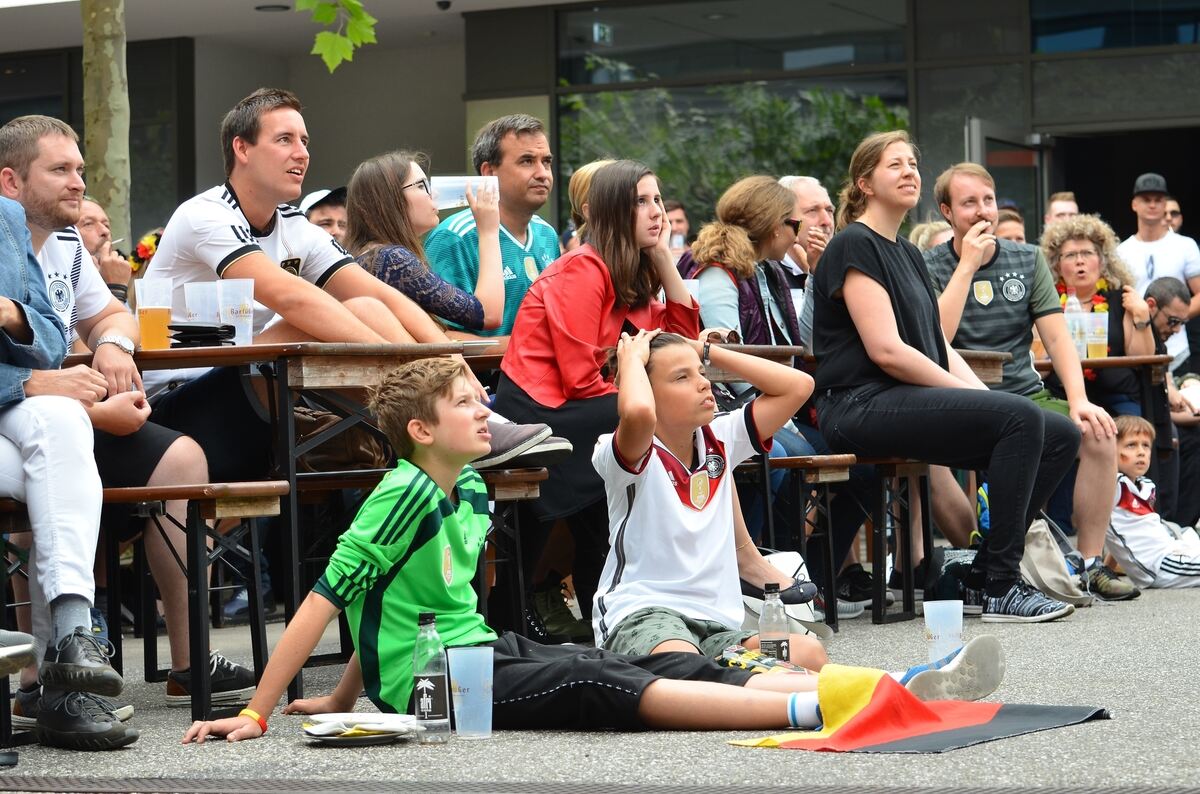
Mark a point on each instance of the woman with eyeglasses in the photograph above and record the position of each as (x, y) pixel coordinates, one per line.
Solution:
(1082, 254)
(390, 209)
(577, 308)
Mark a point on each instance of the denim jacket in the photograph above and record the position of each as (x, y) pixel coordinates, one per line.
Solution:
(22, 281)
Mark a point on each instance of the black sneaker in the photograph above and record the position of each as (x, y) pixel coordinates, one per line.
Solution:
(510, 440)
(79, 663)
(80, 721)
(26, 704)
(228, 683)
(1023, 603)
(896, 582)
(856, 585)
(554, 449)
(800, 591)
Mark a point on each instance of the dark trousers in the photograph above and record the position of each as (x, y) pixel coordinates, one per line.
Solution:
(1024, 449)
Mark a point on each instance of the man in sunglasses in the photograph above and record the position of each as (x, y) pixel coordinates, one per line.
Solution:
(1154, 251)
(1174, 214)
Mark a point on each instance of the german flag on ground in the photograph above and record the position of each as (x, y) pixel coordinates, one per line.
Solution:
(867, 711)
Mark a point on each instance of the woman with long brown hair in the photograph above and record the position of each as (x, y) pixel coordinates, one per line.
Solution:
(576, 309)
(889, 385)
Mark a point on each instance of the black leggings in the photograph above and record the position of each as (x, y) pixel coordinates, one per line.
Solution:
(1024, 449)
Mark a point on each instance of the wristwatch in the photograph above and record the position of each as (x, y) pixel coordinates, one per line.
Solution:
(1144, 324)
(123, 342)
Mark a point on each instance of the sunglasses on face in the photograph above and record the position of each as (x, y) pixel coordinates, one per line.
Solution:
(794, 225)
(1173, 321)
(422, 183)
(1174, 213)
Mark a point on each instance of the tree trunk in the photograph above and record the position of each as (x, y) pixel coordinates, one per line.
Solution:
(106, 111)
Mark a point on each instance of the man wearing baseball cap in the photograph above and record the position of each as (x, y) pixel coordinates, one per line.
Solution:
(327, 209)
(1156, 251)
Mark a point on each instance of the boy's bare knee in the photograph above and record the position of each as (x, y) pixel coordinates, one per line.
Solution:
(675, 646)
(807, 652)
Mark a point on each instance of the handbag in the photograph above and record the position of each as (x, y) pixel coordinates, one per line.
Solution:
(1045, 567)
(353, 449)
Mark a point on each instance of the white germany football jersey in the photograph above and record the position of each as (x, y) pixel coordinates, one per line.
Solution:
(670, 527)
(208, 233)
(75, 287)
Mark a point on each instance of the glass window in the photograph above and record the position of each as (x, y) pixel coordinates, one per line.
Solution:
(945, 98)
(701, 140)
(1078, 25)
(954, 29)
(1100, 89)
(624, 44)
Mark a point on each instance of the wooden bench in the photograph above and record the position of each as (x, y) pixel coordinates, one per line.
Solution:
(206, 502)
(819, 472)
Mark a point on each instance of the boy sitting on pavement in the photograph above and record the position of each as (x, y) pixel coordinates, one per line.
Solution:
(414, 547)
(670, 582)
(1151, 551)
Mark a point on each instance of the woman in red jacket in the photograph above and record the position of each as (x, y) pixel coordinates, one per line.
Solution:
(576, 309)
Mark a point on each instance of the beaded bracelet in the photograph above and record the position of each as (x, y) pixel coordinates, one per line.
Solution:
(254, 715)
(119, 291)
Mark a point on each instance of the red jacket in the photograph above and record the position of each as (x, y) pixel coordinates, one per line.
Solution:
(567, 319)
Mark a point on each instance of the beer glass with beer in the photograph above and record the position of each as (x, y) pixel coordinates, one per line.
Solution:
(154, 311)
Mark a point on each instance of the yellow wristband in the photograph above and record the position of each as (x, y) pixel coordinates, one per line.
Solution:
(254, 715)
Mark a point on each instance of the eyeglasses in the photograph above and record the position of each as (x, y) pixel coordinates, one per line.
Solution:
(731, 338)
(1174, 213)
(794, 224)
(1172, 320)
(1073, 256)
(422, 183)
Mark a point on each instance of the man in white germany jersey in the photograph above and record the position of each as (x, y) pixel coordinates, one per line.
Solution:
(305, 284)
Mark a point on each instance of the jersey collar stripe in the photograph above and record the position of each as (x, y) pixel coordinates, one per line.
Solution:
(528, 246)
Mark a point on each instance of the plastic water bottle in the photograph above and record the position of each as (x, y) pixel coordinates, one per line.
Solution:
(1073, 311)
(773, 631)
(431, 686)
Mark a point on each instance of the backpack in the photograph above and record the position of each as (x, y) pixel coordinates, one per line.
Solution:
(1045, 564)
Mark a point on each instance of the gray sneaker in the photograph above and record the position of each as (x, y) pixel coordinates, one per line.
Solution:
(26, 705)
(1023, 603)
(510, 440)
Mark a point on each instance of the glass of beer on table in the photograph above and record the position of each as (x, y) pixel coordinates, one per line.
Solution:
(154, 311)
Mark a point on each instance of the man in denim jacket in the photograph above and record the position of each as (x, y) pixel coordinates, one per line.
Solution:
(46, 462)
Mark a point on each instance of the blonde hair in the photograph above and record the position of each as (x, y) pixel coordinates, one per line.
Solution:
(852, 202)
(923, 233)
(941, 188)
(1094, 230)
(748, 214)
(577, 190)
(411, 391)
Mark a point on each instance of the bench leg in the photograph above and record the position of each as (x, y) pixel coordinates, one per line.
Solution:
(258, 617)
(148, 619)
(879, 510)
(112, 559)
(198, 638)
(768, 512)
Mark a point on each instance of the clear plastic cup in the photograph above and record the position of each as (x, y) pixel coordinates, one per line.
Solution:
(154, 311)
(1097, 335)
(471, 689)
(203, 305)
(943, 627)
(450, 192)
(235, 297)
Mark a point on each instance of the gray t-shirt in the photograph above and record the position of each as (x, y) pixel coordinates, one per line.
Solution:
(1007, 294)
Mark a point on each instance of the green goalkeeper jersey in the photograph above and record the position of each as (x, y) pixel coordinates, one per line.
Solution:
(410, 550)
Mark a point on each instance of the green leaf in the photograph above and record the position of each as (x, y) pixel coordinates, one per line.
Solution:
(325, 13)
(360, 32)
(352, 6)
(333, 49)
(306, 5)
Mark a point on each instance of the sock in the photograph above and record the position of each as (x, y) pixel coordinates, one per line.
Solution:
(1092, 562)
(100, 602)
(803, 710)
(906, 676)
(67, 612)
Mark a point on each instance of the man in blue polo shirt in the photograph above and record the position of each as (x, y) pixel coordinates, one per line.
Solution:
(515, 150)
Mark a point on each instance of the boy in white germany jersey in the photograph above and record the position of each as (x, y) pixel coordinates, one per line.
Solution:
(670, 582)
(1150, 551)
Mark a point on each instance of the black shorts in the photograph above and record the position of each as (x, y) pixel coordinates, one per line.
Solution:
(127, 462)
(573, 687)
(216, 411)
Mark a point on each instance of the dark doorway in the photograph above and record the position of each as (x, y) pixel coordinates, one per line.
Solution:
(1100, 169)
